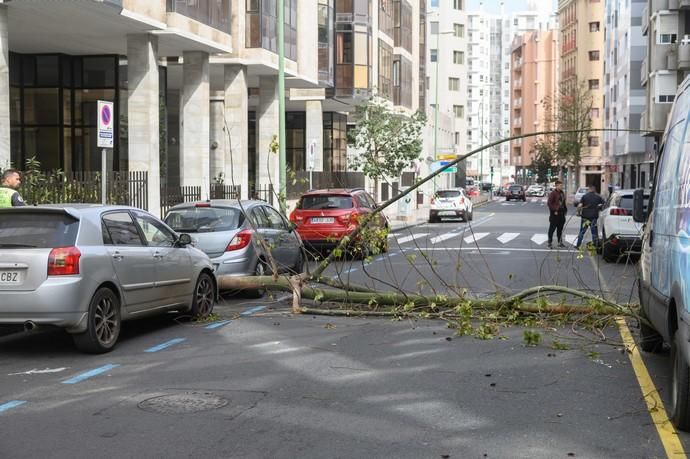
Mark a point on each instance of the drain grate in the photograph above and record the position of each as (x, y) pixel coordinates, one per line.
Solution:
(183, 403)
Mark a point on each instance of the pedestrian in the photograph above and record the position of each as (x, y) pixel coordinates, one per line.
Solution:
(557, 211)
(588, 209)
(9, 196)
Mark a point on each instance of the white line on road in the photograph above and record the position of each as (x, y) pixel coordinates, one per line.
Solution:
(501, 249)
(412, 237)
(475, 237)
(443, 237)
(507, 237)
(539, 239)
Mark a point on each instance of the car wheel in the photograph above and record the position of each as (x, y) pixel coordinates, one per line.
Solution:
(680, 386)
(261, 269)
(650, 339)
(204, 297)
(298, 268)
(103, 324)
(470, 217)
(608, 253)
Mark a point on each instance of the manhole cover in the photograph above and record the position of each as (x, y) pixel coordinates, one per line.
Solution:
(187, 402)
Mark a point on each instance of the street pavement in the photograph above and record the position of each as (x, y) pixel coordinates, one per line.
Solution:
(262, 383)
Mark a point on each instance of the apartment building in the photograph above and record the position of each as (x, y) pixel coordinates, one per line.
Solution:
(628, 157)
(581, 62)
(534, 79)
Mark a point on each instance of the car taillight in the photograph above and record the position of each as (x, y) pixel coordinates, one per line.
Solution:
(462, 200)
(618, 212)
(347, 218)
(202, 204)
(239, 241)
(295, 217)
(63, 261)
(433, 200)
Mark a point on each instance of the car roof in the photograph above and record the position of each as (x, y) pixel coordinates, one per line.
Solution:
(72, 208)
(332, 191)
(234, 203)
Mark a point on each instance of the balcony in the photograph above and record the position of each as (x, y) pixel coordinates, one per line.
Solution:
(517, 103)
(214, 14)
(684, 53)
(517, 122)
(645, 21)
(517, 64)
(644, 72)
(659, 5)
(654, 118)
(517, 84)
(683, 4)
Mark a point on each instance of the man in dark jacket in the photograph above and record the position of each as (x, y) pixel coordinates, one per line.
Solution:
(589, 211)
(557, 211)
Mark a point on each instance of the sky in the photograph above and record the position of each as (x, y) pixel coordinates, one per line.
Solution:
(494, 6)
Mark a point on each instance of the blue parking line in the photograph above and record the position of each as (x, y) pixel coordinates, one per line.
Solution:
(90, 374)
(251, 311)
(9, 405)
(217, 324)
(166, 344)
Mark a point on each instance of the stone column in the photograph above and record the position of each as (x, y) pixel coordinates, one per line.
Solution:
(143, 112)
(266, 128)
(237, 127)
(4, 91)
(217, 138)
(314, 131)
(194, 122)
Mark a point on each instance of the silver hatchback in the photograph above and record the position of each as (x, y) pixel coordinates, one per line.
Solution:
(86, 268)
(231, 234)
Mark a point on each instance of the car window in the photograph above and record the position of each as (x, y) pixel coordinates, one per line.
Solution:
(370, 200)
(448, 193)
(626, 202)
(515, 188)
(326, 201)
(38, 229)
(122, 229)
(204, 219)
(362, 201)
(274, 218)
(155, 233)
(582, 191)
(258, 218)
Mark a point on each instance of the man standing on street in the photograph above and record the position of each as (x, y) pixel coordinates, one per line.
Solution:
(9, 196)
(589, 211)
(557, 211)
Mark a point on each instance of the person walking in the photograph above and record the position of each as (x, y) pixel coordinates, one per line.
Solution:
(588, 208)
(557, 211)
(9, 196)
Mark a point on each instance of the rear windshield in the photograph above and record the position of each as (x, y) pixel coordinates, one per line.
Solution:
(33, 229)
(515, 188)
(582, 191)
(204, 219)
(325, 201)
(448, 194)
(627, 202)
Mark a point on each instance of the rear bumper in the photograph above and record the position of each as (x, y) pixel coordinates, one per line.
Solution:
(447, 213)
(323, 237)
(625, 243)
(240, 263)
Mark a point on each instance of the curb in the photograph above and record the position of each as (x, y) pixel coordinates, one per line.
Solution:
(421, 222)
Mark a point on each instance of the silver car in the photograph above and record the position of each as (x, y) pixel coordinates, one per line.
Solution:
(86, 268)
(231, 234)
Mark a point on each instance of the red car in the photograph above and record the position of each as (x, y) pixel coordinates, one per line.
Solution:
(324, 217)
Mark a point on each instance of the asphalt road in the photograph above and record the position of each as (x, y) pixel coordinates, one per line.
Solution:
(262, 383)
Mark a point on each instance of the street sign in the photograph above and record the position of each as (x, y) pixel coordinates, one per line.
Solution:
(446, 156)
(105, 124)
(436, 165)
(311, 157)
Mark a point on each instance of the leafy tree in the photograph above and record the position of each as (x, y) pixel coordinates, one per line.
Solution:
(543, 159)
(387, 142)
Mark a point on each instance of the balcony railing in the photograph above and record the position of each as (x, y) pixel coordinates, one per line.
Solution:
(684, 53)
(213, 13)
(645, 20)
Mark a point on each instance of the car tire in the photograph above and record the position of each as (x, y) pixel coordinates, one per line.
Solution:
(102, 323)
(298, 268)
(261, 269)
(607, 252)
(471, 216)
(203, 297)
(650, 340)
(680, 387)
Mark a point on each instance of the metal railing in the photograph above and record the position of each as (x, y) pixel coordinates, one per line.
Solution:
(322, 179)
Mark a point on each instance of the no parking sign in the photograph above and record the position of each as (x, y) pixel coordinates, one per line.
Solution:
(105, 124)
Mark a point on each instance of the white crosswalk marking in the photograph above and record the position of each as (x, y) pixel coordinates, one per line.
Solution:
(412, 237)
(539, 239)
(507, 237)
(475, 237)
(443, 237)
(570, 238)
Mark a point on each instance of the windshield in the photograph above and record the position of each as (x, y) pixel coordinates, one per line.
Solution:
(325, 201)
(515, 188)
(582, 191)
(204, 219)
(34, 229)
(627, 202)
(448, 193)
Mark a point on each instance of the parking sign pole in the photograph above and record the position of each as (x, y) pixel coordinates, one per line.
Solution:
(104, 176)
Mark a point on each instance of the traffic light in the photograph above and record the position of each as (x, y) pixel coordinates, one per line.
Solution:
(565, 172)
(492, 170)
(548, 172)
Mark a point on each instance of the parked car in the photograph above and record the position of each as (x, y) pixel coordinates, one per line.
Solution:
(231, 234)
(86, 268)
(664, 267)
(516, 192)
(503, 191)
(535, 190)
(450, 203)
(619, 232)
(578, 195)
(324, 217)
(472, 191)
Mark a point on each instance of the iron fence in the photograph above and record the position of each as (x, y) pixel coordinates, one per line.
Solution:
(225, 191)
(263, 193)
(299, 183)
(174, 195)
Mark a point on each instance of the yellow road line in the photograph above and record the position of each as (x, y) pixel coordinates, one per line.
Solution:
(667, 433)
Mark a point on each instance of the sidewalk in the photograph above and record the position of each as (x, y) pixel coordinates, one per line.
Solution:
(421, 215)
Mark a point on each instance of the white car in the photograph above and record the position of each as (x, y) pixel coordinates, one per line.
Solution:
(619, 232)
(536, 190)
(451, 203)
(578, 195)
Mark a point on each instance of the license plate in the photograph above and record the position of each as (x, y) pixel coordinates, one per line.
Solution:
(446, 213)
(322, 220)
(10, 278)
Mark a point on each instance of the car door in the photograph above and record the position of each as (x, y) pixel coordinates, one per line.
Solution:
(174, 270)
(286, 246)
(265, 236)
(131, 258)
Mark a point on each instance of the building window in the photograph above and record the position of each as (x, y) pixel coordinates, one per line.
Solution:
(459, 30)
(454, 84)
(594, 84)
(594, 55)
(457, 4)
(459, 111)
(458, 57)
(666, 98)
(433, 28)
(594, 26)
(433, 55)
(667, 38)
(261, 29)
(215, 14)
(593, 141)
(434, 3)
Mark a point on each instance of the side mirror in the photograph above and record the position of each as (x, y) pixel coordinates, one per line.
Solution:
(639, 212)
(183, 240)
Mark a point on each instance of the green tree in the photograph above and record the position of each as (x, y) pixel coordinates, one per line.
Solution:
(387, 142)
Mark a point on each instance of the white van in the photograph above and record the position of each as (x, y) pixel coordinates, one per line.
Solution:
(664, 268)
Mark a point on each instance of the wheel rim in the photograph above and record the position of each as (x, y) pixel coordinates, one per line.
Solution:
(106, 321)
(260, 269)
(204, 296)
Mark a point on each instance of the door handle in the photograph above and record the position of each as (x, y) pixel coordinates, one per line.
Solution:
(117, 256)
(158, 255)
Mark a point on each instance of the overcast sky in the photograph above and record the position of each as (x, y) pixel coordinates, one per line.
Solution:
(494, 6)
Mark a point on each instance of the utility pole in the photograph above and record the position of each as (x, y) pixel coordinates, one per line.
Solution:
(282, 188)
(438, 58)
